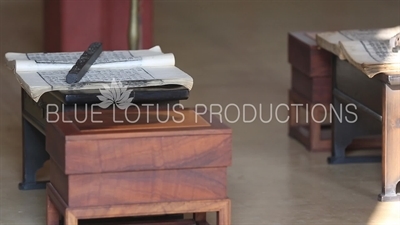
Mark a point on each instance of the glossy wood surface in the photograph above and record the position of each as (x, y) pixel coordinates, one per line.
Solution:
(391, 144)
(102, 189)
(72, 214)
(193, 143)
(305, 55)
(316, 89)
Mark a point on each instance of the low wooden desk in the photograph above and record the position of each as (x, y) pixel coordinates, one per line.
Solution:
(378, 113)
(311, 85)
(165, 162)
(34, 122)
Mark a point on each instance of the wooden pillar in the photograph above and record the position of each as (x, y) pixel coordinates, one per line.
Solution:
(73, 25)
(146, 24)
(391, 143)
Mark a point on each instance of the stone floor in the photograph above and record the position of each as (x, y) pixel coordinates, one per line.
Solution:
(236, 52)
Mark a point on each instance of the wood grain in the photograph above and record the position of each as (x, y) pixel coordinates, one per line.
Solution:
(136, 150)
(132, 221)
(136, 166)
(309, 134)
(72, 132)
(117, 120)
(391, 143)
(52, 215)
(220, 205)
(151, 153)
(305, 55)
(72, 214)
(315, 89)
(139, 187)
(70, 218)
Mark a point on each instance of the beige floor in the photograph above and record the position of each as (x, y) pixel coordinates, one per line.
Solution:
(236, 51)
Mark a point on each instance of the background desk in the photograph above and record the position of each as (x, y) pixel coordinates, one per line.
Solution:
(378, 112)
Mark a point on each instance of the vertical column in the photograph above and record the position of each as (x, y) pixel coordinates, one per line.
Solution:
(116, 22)
(52, 215)
(69, 218)
(391, 143)
(73, 25)
(146, 24)
(224, 214)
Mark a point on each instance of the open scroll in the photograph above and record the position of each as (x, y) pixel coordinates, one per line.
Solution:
(372, 57)
(370, 51)
(330, 40)
(39, 73)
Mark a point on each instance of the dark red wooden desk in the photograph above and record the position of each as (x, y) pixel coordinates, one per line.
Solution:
(378, 112)
(141, 168)
(34, 122)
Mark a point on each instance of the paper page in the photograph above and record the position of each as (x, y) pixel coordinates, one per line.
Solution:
(57, 78)
(22, 62)
(330, 40)
(37, 83)
(360, 35)
(155, 60)
(395, 42)
(376, 34)
(372, 57)
(371, 52)
(72, 57)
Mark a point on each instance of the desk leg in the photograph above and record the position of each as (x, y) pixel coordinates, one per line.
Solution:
(34, 156)
(52, 215)
(339, 140)
(391, 144)
(345, 132)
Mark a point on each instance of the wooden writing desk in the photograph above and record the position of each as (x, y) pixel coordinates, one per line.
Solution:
(378, 112)
(34, 122)
(141, 168)
(119, 25)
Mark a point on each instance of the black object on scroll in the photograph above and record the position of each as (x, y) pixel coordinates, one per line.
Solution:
(84, 62)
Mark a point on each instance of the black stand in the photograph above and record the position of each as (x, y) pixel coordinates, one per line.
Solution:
(344, 132)
(34, 156)
(351, 86)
